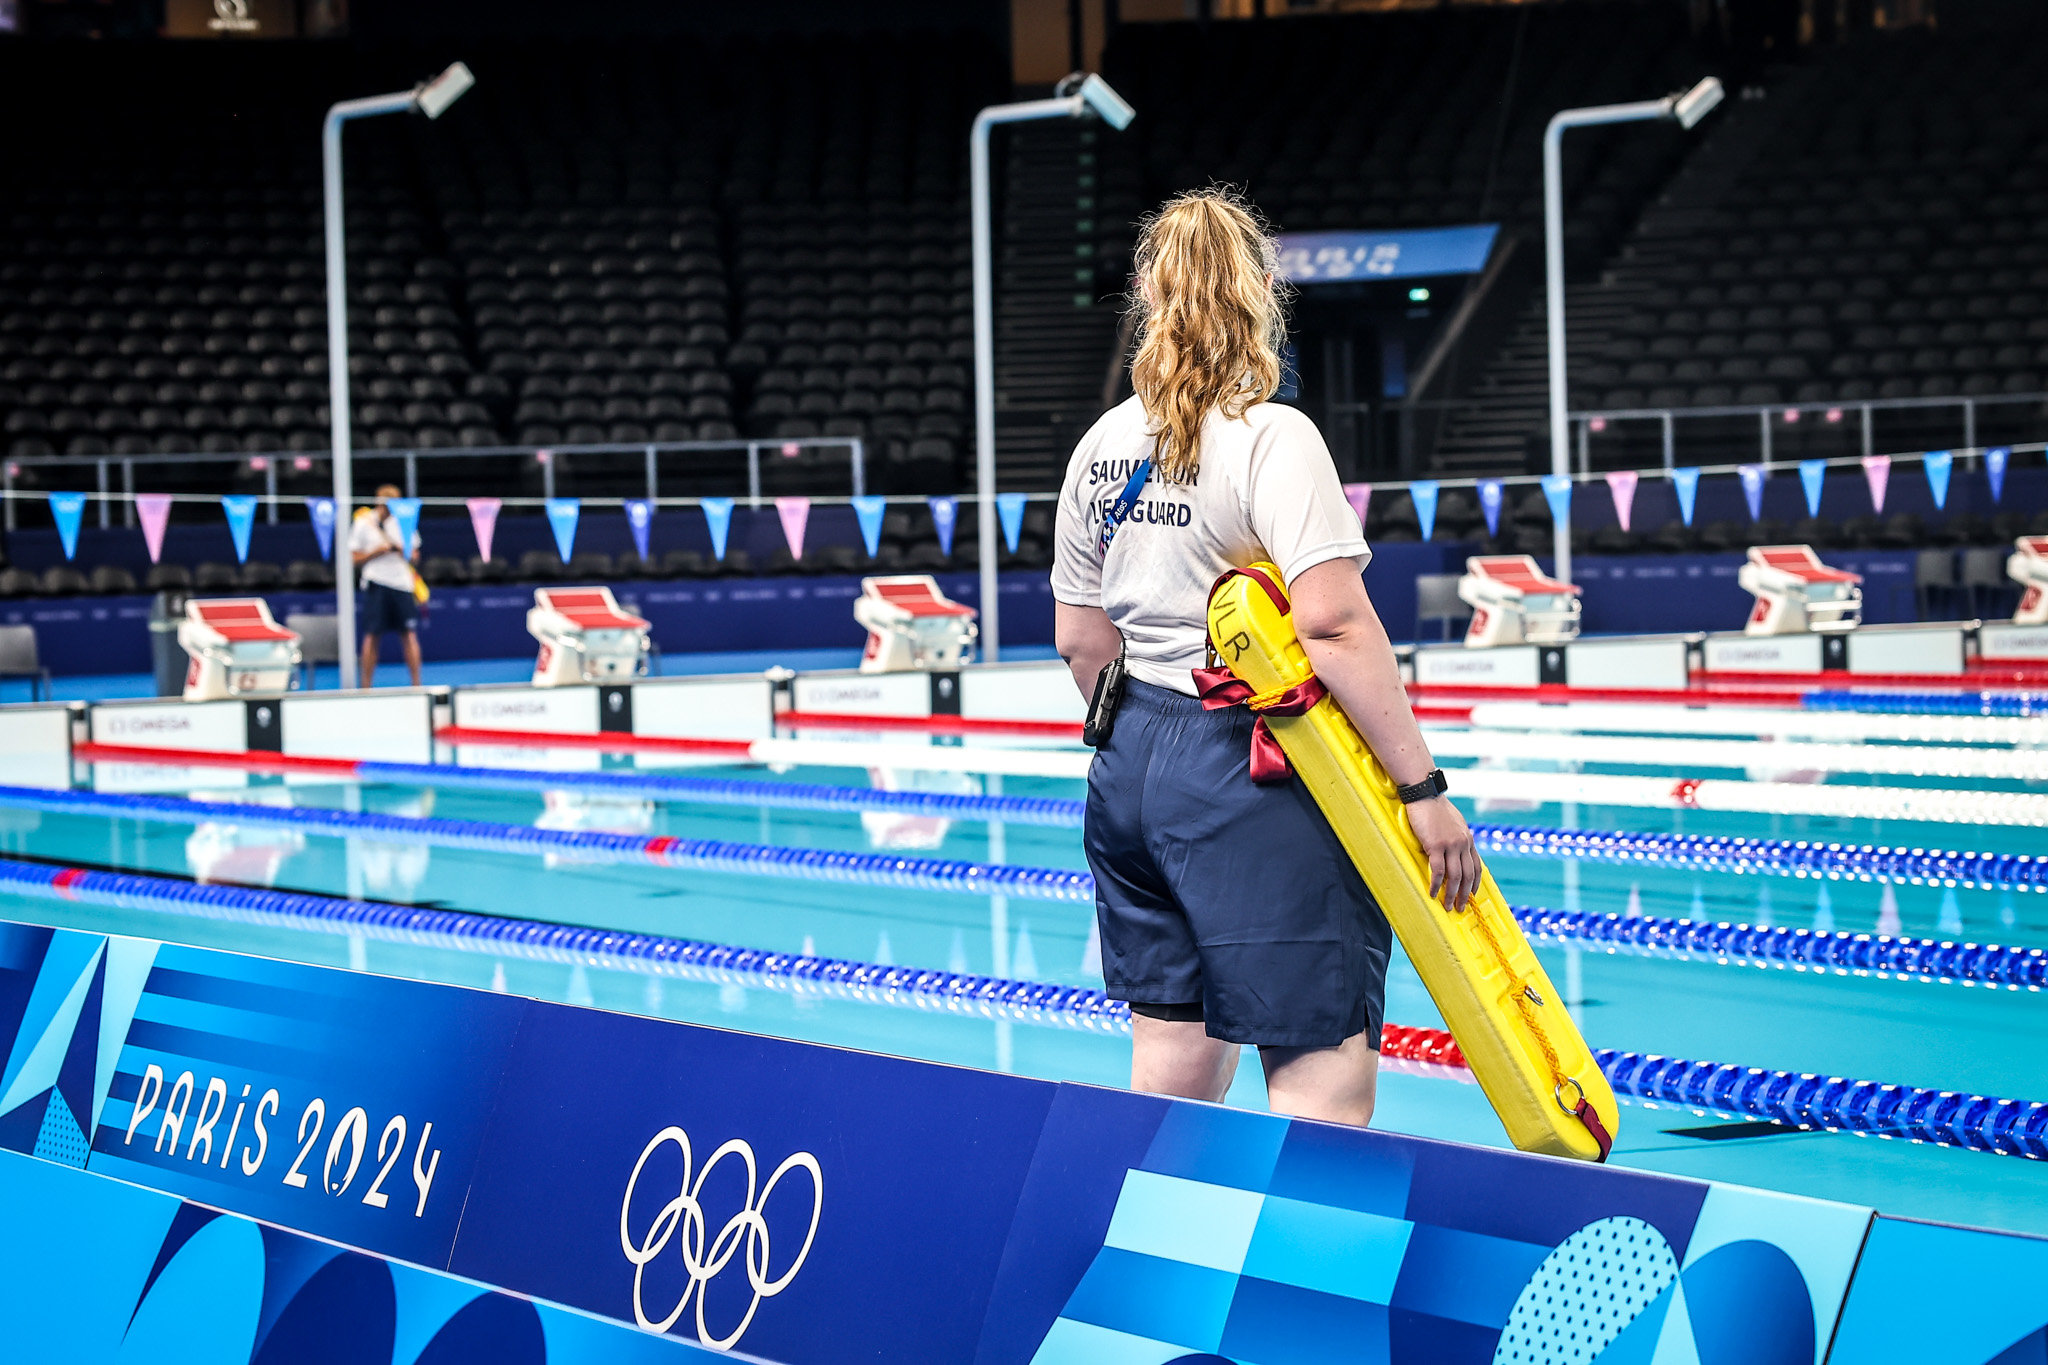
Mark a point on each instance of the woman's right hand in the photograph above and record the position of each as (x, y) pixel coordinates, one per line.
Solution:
(1453, 858)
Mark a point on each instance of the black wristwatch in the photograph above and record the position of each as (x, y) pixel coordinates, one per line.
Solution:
(1430, 786)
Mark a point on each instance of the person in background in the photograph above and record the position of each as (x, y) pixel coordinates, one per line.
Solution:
(384, 565)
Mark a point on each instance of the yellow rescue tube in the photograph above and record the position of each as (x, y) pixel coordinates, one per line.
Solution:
(1521, 1044)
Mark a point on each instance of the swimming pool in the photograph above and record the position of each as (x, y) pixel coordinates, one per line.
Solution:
(1942, 1035)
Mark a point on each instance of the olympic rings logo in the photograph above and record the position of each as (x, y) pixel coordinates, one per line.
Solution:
(682, 1220)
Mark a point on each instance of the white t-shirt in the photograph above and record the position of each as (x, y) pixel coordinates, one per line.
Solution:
(1266, 489)
(390, 569)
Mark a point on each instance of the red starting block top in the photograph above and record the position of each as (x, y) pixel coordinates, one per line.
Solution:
(1518, 572)
(1801, 562)
(918, 599)
(2037, 546)
(239, 619)
(590, 609)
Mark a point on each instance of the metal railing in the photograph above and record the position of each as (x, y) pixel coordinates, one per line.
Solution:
(1773, 420)
(271, 463)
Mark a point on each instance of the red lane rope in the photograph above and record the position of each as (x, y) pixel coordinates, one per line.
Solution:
(1974, 678)
(257, 761)
(607, 742)
(941, 725)
(1689, 696)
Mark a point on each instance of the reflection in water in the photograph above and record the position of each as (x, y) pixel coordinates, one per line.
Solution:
(898, 831)
(217, 852)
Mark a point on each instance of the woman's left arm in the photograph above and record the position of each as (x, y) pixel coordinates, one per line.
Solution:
(1087, 639)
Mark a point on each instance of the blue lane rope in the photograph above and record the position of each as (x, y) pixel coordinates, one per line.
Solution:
(1946, 1118)
(725, 791)
(712, 855)
(1771, 857)
(2015, 704)
(1928, 959)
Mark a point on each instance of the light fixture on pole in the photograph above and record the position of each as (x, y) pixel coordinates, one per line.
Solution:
(431, 98)
(1075, 97)
(1686, 108)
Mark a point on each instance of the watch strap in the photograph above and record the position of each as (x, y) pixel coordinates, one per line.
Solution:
(1433, 785)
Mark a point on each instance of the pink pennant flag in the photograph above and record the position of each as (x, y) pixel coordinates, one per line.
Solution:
(483, 521)
(1359, 495)
(1621, 485)
(1878, 470)
(795, 514)
(153, 510)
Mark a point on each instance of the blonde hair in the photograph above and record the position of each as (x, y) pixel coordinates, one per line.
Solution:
(1211, 321)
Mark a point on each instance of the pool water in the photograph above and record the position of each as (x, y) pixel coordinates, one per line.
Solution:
(1942, 1036)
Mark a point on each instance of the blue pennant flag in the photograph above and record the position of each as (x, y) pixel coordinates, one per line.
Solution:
(868, 511)
(1010, 511)
(1557, 490)
(406, 513)
(321, 512)
(562, 514)
(68, 510)
(1423, 491)
(718, 516)
(1489, 503)
(945, 516)
(1812, 473)
(1939, 464)
(241, 510)
(1995, 461)
(639, 519)
(1686, 483)
(1752, 476)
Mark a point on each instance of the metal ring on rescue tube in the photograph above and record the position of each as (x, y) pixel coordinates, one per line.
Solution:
(1557, 1093)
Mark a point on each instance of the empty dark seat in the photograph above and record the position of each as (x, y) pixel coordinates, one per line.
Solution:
(213, 575)
(167, 578)
(259, 574)
(109, 579)
(62, 580)
(308, 574)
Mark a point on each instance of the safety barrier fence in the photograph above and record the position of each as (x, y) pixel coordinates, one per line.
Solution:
(1800, 1100)
(2018, 968)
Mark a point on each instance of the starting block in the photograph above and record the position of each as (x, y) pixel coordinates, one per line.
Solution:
(236, 647)
(584, 637)
(1796, 593)
(1513, 603)
(2028, 566)
(911, 624)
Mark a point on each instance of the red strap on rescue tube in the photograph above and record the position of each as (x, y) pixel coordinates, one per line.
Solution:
(1219, 688)
(1587, 1115)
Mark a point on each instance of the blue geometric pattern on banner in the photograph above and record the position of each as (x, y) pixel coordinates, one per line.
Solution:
(241, 514)
(868, 510)
(1686, 483)
(1010, 512)
(1947, 1118)
(68, 510)
(2005, 704)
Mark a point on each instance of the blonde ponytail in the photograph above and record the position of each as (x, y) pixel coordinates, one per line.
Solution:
(1211, 321)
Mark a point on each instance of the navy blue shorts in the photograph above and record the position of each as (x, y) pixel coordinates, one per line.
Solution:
(385, 610)
(1210, 888)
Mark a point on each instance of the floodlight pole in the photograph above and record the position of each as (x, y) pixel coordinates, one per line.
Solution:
(431, 98)
(1687, 108)
(1076, 105)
